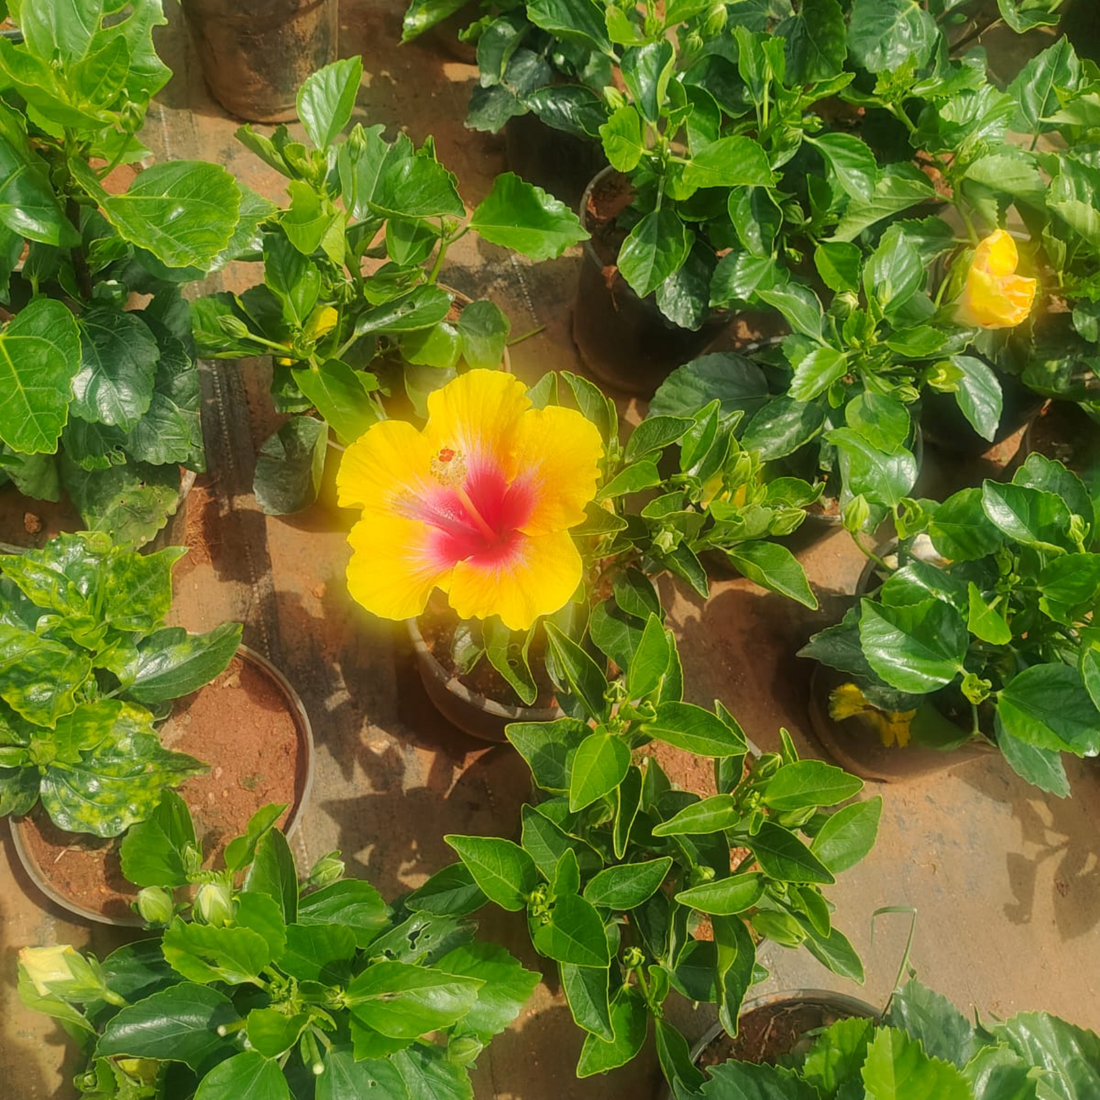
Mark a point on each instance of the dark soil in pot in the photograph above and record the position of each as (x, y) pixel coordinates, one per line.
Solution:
(774, 1026)
(560, 163)
(255, 56)
(625, 341)
(257, 743)
(1063, 431)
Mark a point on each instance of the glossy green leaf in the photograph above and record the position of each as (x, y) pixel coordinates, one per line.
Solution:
(883, 35)
(694, 729)
(586, 992)
(598, 766)
(627, 885)
(725, 897)
(621, 134)
(547, 747)
(171, 663)
(203, 953)
(897, 1068)
(289, 466)
(914, 648)
(575, 671)
(245, 1076)
(816, 41)
(783, 856)
(1031, 516)
(451, 892)
(117, 368)
(629, 1022)
(273, 873)
(852, 162)
(522, 217)
(848, 835)
(505, 873)
(1041, 767)
(573, 934)
(28, 205)
(351, 902)
(771, 565)
(1049, 707)
(983, 621)
(340, 394)
(1069, 1055)
(154, 852)
(405, 1002)
(327, 98)
(711, 815)
(271, 1032)
(961, 531)
(656, 246)
(507, 986)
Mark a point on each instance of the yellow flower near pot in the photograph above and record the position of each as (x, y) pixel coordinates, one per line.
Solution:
(994, 295)
(892, 726)
(479, 504)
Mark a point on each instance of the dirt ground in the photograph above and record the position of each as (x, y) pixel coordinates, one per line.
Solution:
(1002, 882)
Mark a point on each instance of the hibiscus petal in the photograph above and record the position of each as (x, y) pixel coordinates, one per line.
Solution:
(557, 462)
(997, 254)
(395, 564)
(477, 415)
(526, 577)
(391, 461)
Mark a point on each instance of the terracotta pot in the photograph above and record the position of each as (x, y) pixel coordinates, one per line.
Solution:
(256, 55)
(558, 162)
(819, 1005)
(472, 713)
(40, 875)
(625, 341)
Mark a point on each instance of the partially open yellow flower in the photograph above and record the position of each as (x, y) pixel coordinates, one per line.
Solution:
(994, 295)
(479, 503)
(892, 726)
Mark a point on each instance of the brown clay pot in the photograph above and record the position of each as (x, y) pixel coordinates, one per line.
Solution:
(256, 54)
(625, 341)
(472, 713)
(46, 879)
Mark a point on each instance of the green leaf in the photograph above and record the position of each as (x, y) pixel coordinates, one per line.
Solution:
(39, 678)
(1028, 515)
(1000, 1072)
(961, 531)
(598, 766)
(273, 873)
(405, 1002)
(505, 873)
(340, 394)
(657, 246)
(674, 1056)
(806, 783)
(507, 986)
(39, 357)
(781, 426)
(416, 187)
(621, 134)
(517, 215)
(655, 433)
(428, 1075)
(28, 205)
(899, 187)
(633, 478)
(839, 263)
(882, 477)
(177, 1024)
(483, 329)
(756, 1082)
(170, 432)
(1048, 706)
(352, 903)
(983, 621)
(629, 1022)
(725, 897)
(245, 1076)
(271, 1032)
(851, 160)
(897, 1068)
(1068, 1055)
(345, 1078)
(771, 565)
(586, 992)
(943, 1031)
(711, 815)
(817, 372)
(627, 885)
(884, 35)
(289, 466)
(422, 308)
(547, 747)
(734, 161)
(241, 850)
(783, 856)
(838, 1054)
(203, 953)
(914, 648)
(696, 730)
(117, 368)
(816, 42)
(1035, 89)
(170, 663)
(848, 835)
(580, 22)
(798, 304)
(1041, 767)
(573, 933)
(318, 953)
(649, 664)
(979, 395)
(575, 671)
(736, 960)
(154, 851)
(327, 98)
(184, 212)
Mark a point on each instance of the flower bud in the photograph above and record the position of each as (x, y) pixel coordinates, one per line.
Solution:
(994, 295)
(155, 905)
(329, 868)
(856, 513)
(715, 22)
(464, 1050)
(234, 326)
(214, 903)
(62, 972)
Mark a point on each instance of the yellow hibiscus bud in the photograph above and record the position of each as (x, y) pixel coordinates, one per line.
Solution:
(60, 971)
(321, 322)
(994, 295)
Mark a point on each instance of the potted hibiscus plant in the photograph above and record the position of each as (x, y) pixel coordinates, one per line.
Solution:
(618, 871)
(91, 667)
(269, 987)
(519, 509)
(920, 1038)
(101, 401)
(355, 286)
(979, 633)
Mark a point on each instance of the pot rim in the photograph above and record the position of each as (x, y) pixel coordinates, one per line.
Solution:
(455, 686)
(305, 737)
(844, 1001)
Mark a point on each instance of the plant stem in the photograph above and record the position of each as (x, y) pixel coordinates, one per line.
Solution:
(975, 32)
(80, 261)
(526, 336)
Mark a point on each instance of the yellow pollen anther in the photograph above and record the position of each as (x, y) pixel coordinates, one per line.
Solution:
(449, 467)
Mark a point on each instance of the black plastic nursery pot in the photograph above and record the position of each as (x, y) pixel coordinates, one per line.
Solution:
(625, 341)
(472, 712)
(776, 1024)
(562, 164)
(250, 704)
(947, 429)
(255, 55)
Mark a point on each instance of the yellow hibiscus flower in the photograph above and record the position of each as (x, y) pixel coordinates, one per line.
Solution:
(479, 504)
(892, 726)
(994, 295)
